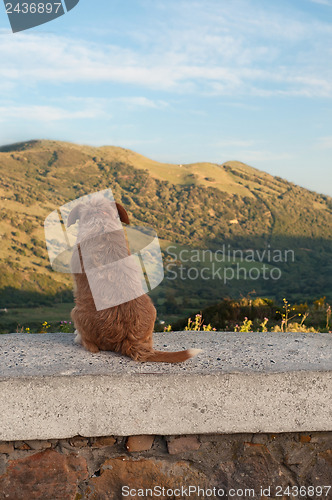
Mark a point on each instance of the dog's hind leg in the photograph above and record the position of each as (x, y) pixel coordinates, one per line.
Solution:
(81, 331)
(90, 346)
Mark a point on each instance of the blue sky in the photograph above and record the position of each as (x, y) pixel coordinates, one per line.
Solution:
(179, 81)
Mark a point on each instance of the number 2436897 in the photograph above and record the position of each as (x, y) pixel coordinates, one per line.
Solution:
(33, 8)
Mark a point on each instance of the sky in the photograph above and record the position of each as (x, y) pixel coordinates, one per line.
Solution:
(179, 81)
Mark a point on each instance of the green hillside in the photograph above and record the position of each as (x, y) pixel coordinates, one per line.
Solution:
(201, 205)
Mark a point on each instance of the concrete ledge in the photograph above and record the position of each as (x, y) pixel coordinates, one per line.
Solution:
(243, 382)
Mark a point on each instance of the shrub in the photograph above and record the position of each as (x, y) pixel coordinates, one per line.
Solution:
(295, 327)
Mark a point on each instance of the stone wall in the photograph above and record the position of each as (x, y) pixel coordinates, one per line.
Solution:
(226, 466)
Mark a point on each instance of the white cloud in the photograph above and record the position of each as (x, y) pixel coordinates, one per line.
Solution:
(261, 156)
(322, 2)
(46, 113)
(73, 108)
(234, 143)
(131, 102)
(324, 142)
(246, 150)
(141, 102)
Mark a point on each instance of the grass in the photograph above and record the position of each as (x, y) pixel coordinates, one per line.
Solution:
(33, 318)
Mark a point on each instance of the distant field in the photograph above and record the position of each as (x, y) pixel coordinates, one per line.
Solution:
(34, 317)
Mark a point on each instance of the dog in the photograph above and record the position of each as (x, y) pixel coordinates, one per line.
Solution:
(126, 328)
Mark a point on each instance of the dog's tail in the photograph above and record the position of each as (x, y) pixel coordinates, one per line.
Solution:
(170, 357)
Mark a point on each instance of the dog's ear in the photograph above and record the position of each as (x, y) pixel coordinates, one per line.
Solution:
(74, 215)
(122, 213)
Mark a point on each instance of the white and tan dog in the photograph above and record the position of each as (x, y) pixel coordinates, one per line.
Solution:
(126, 328)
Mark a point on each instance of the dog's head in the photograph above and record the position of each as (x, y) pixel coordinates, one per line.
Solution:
(102, 252)
(96, 211)
(100, 233)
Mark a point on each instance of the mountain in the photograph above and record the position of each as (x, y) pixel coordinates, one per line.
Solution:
(221, 207)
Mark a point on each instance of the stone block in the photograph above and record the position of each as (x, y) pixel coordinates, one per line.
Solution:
(78, 442)
(139, 475)
(255, 467)
(139, 443)
(39, 445)
(245, 394)
(21, 445)
(102, 441)
(6, 447)
(182, 444)
(47, 475)
(305, 438)
(320, 473)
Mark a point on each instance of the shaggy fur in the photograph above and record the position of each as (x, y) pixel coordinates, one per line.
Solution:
(126, 328)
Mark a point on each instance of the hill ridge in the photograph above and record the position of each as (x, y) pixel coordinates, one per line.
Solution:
(121, 153)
